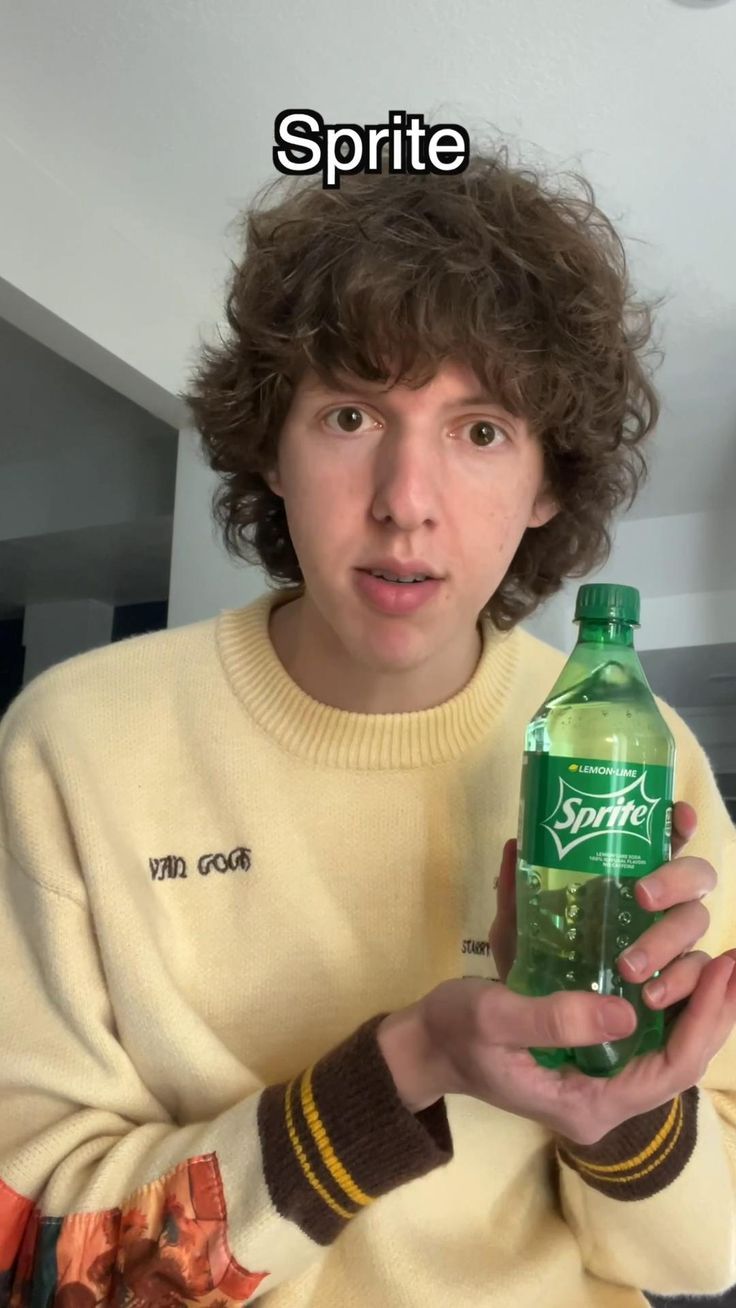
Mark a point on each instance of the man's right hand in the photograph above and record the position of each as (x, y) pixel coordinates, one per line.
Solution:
(473, 1037)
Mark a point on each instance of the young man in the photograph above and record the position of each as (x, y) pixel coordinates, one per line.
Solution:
(254, 1047)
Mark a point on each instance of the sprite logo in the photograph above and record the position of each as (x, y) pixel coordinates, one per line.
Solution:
(580, 816)
(595, 815)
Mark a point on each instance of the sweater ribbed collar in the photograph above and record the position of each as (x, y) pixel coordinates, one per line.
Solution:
(338, 738)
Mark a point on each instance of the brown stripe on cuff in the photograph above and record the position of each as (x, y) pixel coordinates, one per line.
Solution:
(338, 1136)
(640, 1157)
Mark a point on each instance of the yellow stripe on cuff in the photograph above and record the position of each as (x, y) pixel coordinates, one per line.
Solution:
(304, 1162)
(596, 1170)
(659, 1138)
(324, 1145)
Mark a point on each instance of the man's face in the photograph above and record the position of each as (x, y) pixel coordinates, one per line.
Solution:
(438, 478)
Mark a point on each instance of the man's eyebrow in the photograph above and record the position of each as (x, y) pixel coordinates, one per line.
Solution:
(466, 401)
(347, 386)
(343, 385)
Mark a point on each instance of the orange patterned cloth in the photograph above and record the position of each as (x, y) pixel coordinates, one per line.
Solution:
(168, 1245)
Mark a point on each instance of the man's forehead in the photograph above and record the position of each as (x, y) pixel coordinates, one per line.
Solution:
(448, 378)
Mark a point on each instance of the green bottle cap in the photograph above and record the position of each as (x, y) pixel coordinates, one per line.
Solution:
(608, 603)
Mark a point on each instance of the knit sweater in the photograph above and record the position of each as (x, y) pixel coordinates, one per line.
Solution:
(212, 887)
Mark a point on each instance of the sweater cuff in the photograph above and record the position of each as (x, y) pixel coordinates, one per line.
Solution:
(640, 1157)
(338, 1137)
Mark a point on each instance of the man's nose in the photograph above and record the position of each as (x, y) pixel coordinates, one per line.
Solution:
(406, 479)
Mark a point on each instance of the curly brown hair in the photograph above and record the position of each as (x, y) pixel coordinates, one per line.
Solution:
(522, 278)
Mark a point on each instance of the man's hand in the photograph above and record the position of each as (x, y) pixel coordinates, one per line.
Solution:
(473, 1037)
(676, 889)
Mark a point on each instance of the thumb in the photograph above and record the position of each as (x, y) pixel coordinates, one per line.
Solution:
(502, 935)
(506, 892)
(563, 1020)
(684, 826)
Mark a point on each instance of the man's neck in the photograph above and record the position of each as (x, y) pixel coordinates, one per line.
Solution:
(324, 670)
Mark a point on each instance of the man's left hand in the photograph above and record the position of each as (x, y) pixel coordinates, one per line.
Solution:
(698, 992)
(676, 889)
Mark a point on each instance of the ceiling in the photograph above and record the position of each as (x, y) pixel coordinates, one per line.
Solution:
(161, 118)
(117, 563)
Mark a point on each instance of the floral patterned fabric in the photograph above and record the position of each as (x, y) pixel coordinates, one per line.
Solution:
(166, 1246)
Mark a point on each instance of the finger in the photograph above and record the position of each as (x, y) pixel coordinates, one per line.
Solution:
(676, 933)
(705, 1023)
(675, 883)
(565, 1020)
(684, 825)
(502, 935)
(506, 893)
(676, 982)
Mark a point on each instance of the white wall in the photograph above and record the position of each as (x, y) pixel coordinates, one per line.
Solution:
(71, 280)
(204, 580)
(685, 569)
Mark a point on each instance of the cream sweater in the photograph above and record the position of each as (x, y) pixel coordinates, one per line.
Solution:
(211, 889)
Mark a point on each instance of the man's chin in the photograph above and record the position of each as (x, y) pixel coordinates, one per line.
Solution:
(391, 645)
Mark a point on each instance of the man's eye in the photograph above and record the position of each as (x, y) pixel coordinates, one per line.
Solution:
(484, 433)
(347, 418)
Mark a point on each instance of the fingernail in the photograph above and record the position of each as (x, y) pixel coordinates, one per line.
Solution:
(636, 959)
(617, 1019)
(654, 991)
(653, 890)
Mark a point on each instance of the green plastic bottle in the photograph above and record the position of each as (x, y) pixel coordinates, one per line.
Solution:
(595, 815)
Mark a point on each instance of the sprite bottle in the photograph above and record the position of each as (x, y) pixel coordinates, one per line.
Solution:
(595, 815)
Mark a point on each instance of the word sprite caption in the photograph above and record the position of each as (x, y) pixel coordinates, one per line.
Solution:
(305, 144)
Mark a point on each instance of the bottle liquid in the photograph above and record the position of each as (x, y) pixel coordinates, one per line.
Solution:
(595, 815)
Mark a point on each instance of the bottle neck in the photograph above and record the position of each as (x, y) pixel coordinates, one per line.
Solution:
(606, 632)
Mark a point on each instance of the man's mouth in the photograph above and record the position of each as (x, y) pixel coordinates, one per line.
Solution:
(401, 581)
(402, 572)
(400, 590)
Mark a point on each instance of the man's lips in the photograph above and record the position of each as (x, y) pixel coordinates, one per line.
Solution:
(395, 598)
(402, 568)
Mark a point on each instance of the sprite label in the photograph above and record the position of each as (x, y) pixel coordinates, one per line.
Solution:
(588, 815)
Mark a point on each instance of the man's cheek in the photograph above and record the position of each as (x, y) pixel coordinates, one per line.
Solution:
(507, 532)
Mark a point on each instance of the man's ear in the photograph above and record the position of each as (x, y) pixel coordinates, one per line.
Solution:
(273, 481)
(545, 509)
